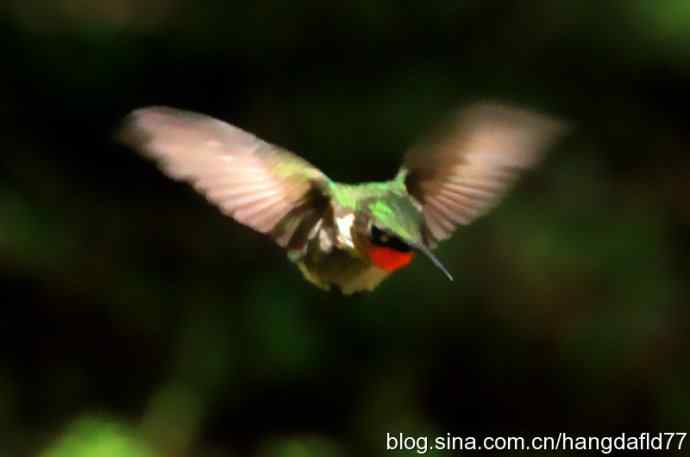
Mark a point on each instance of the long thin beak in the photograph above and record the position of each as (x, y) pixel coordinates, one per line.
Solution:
(434, 259)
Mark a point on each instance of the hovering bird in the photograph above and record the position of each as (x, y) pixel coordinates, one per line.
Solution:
(348, 236)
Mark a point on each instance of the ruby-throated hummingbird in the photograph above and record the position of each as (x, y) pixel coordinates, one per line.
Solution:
(351, 236)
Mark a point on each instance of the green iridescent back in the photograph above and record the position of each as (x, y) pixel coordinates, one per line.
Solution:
(387, 203)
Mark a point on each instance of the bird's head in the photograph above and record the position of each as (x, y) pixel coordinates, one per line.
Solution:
(394, 230)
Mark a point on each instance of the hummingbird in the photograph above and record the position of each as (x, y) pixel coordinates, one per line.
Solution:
(348, 236)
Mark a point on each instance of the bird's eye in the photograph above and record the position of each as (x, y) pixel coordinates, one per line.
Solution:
(381, 238)
(376, 234)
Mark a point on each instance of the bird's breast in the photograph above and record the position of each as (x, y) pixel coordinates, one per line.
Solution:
(343, 224)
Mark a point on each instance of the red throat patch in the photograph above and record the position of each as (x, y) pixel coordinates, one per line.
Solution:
(389, 259)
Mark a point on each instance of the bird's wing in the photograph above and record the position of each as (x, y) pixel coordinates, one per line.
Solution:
(258, 184)
(462, 172)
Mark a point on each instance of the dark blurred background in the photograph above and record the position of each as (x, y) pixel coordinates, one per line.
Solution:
(139, 322)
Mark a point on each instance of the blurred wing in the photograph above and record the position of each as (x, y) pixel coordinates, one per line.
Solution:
(256, 183)
(464, 172)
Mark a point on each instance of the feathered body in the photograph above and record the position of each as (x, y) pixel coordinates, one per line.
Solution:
(339, 251)
(351, 236)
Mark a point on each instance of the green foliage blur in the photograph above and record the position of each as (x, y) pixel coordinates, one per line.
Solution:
(139, 322)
